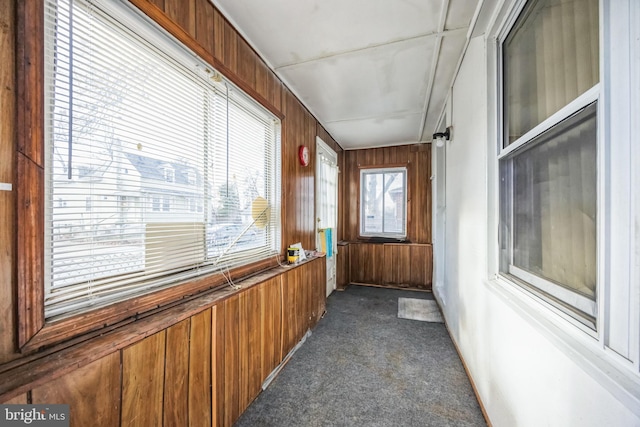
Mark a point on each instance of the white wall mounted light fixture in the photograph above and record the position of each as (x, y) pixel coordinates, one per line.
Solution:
(440, 137)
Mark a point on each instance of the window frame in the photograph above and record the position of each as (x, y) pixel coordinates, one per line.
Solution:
(539, 286)
(33, 331)
(611, 354)
(386, 169)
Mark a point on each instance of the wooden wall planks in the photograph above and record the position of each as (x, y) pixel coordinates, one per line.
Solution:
(7, 166)
(231, 361)
(201, 354)
(158, 3)
(204, 18)
(417, 158)
(218, 320)
(250, 342)
(398, 265)
(271, 325)
(343, 276)
(203, 370)
(29, 249)
(318, 298)
(29, 61)
(392, 264)
(298, 205)
(92, 393)
(200, 380)
(143, 367)
(182, 13)
(176, 375)
(18, 400)
(289, 318)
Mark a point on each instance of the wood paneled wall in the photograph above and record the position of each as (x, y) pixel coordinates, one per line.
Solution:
(407, 264)
(298, 195)
(202, 28)
(7, 173)
(417, 158)
(397, 265)
(199, 362)
(202, 370)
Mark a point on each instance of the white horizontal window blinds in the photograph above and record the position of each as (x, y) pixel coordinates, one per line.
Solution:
(154, 170)
(244, 219)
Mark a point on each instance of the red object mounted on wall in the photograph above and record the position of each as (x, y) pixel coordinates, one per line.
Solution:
(303, 155)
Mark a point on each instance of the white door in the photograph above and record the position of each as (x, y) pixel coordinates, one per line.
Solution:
(327, 207)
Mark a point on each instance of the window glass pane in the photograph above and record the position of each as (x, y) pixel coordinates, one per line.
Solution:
(383, 202)
(112, 137)
(549, 58)
(239, 176)
(554, 205)
(394, 203)
(372, 203)
(327, 183)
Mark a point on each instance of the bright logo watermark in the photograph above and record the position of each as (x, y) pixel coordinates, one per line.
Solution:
(34, 415)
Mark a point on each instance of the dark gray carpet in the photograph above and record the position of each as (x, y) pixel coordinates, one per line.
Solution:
(362, 366)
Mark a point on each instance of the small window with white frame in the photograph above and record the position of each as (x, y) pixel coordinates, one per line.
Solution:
(383, 202)
(548, 154)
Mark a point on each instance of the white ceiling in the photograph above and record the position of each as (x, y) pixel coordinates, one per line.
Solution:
(373, 72)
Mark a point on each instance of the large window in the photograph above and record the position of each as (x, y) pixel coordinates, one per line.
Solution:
(548, 154)
(131, 116)
(383, 202)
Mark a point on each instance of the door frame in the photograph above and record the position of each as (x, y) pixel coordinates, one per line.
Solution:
(323, 148)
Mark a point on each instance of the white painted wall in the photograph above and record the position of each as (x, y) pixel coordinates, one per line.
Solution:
(524, 377)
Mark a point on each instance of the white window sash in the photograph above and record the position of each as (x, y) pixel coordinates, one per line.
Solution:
(580, 302)
(564, 113)
(363, 173)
